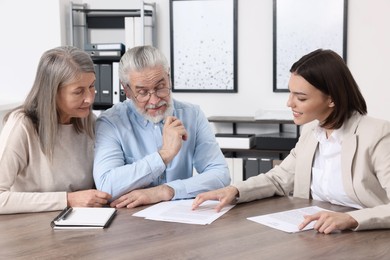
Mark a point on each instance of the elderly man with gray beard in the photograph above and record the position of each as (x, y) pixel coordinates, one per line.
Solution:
(147, 146)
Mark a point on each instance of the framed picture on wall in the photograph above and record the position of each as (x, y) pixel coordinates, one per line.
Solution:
(302, 26)
(203, 45)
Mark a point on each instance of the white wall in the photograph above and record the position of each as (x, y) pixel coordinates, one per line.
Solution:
(254, 63)
(369, 54)
(368, 57)
(36, 27)
(28, 28)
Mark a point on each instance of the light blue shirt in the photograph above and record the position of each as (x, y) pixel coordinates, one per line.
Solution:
(127, 158)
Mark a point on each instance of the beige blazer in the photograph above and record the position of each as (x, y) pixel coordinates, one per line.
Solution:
(365, 166)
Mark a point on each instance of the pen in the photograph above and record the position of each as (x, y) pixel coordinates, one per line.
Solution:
(65, 213)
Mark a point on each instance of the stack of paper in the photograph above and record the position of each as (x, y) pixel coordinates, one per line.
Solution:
(289, 220)
(235, 141)
(180, 211)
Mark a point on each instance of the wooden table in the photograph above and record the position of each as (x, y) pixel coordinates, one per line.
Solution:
(29, 236)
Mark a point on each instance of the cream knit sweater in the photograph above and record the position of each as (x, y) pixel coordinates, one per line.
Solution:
(28, 181)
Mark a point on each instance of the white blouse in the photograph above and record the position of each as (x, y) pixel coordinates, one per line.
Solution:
(327, 183)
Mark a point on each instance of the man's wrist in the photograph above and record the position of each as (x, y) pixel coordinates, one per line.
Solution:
(164, 156)
(168, 192)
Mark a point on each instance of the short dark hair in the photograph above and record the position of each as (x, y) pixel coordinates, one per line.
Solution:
(327, 71)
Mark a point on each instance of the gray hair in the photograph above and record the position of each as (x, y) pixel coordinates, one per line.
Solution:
(139, 58)
(57, 67)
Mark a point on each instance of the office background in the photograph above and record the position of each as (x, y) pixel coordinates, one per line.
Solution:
(29, 28)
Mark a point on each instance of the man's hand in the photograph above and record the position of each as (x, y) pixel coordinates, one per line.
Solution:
(328, 221)
(140, 197)
(225, 196)
(88, 198)
(174, 133)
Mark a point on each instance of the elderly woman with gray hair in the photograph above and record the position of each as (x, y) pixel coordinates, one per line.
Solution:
(46, 145)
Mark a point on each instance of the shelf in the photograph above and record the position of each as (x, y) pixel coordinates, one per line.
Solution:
(268, 139)
(247, 119)
(252, 151)
(106, 34)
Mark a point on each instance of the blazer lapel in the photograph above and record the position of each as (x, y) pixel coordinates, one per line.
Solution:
(348, 152)
(303, 169)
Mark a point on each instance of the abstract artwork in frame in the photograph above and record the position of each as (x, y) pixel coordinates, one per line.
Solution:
(302, 26)
(204, 45)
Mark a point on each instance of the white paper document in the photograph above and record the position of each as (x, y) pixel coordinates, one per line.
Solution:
(180, 211)
(289, 220)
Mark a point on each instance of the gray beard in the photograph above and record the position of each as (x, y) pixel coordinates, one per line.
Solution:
(158, 118)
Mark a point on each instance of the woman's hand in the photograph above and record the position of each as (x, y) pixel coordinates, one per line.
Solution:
(328, 221)
(88, 198)
(225, 196)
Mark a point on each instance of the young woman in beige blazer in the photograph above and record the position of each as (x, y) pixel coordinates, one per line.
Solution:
(342, 156)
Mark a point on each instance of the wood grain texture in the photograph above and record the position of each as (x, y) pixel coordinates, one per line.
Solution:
(29, 236)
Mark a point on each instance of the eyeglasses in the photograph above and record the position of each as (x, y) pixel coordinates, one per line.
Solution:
(143, 95)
